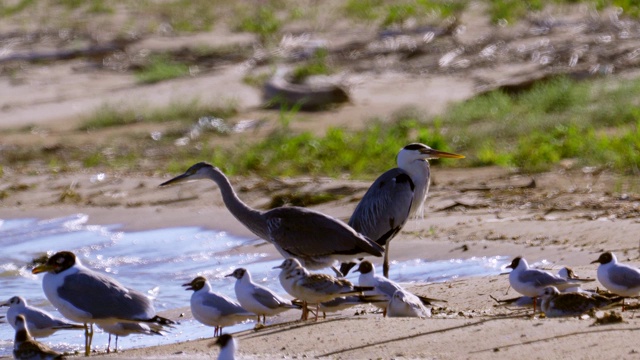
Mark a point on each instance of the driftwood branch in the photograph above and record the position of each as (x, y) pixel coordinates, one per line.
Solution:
(98, 50)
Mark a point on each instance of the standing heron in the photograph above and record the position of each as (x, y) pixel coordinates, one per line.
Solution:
(317, 240)
(395, 196)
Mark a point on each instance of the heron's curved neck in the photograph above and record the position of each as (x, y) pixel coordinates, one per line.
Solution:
(251, 218)
(419, 172)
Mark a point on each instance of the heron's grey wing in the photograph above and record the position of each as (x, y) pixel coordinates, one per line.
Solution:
(267, 298)
(540, 278)
(224, 305)
(384, 208)
(104, 297)
(303, 233)
(624, 276)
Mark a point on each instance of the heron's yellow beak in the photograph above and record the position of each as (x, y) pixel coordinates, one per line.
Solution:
(42, 268)
(436, 154)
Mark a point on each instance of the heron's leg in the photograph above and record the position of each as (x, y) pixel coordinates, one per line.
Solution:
(109, 344)
(385, 264)
(116, 350)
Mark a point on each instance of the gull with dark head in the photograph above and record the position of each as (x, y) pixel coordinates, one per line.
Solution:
(257, 298)
(620, 279)
(27, 348)
(530, 282)
(39, 322)
(394, 197)
(213, 309)
(316, 239)
(86, 296)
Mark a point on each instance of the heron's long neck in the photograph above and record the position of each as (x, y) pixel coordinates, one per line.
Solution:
(251, 218)
(420, 174)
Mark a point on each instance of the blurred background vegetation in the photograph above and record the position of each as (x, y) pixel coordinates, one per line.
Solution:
(594, 122)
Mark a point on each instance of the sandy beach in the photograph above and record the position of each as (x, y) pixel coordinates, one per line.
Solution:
(567, 218)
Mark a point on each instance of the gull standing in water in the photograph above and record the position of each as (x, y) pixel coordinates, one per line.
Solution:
(395, 196)
(213, 309)
(26, 348)
(531, 282)
(317, 240)
(228, 346)
(620, 279)
(89, 297)
(39, 322)
(257, 298)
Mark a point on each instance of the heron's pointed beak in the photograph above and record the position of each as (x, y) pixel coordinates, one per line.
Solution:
(229, 275)
(4, 304)
(437, 154)
(595, 261)
(177, 179)
(42, 268)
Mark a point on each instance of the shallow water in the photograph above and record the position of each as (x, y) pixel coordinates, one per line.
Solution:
(158, 262)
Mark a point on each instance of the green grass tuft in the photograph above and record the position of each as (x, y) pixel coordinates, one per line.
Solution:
(161, 68)
(185, 112)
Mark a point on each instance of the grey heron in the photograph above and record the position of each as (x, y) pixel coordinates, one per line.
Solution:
(316, 239)
(394, 197)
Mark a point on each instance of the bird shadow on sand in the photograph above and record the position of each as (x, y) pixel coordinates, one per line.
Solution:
(555, 337)
(439, 331)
